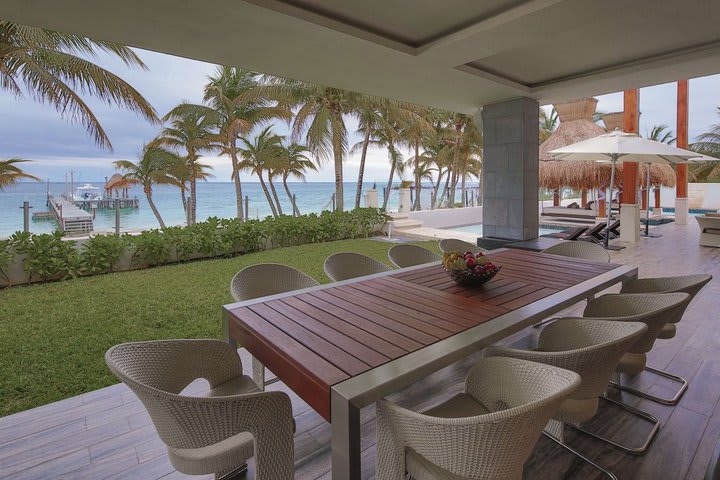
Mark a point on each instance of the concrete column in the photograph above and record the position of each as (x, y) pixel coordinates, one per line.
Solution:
(510, 169)
(372, 198)
(682, 212)
(629, 215)
(405, 201)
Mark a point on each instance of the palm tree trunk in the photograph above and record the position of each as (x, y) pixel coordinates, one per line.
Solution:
(184, 200)
(456, 165)
(296, 211)
(446, 187)
(193, 198)
(361, 171)
(338, 154)
(390, 182)
(418, 185)
(267, 194)
(148, 195)
(236, 180)
(437, 188)
(462, 189)
(275, 195)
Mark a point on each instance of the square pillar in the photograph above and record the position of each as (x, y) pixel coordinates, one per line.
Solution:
(510, 169)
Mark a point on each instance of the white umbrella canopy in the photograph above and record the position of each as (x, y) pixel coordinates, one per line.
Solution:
(623, 147)
(618, 146)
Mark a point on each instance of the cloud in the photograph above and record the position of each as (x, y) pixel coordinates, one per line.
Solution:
(35, 131)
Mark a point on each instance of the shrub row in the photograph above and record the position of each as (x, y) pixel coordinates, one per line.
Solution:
(51, 257)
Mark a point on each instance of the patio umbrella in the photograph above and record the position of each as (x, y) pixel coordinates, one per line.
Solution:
(617, 147)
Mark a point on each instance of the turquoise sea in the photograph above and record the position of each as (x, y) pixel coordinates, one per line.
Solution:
(215, 199)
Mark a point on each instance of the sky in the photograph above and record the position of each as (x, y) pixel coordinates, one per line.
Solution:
(37, 132)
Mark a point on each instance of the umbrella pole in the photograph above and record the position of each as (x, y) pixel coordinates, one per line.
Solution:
(647, 201)
(609, 200)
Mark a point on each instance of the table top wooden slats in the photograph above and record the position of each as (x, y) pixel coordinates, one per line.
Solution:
(323, 336)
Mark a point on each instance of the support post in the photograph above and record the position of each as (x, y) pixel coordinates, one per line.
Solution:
(601, 204)
(117, 216)
(405, 200)
(247, 210)
(26, 217)
(657, 199)
(630, 209)
(371, 200)
(681, 180)
(583, 198)
(556, 198)
(510, 169)
(334, 207)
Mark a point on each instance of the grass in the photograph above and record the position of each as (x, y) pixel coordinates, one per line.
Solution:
(54, 335)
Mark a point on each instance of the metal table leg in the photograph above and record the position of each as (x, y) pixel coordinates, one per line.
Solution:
(345, 430)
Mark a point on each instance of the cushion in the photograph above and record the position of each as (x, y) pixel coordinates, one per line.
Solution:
(711, 214)
(712, 231)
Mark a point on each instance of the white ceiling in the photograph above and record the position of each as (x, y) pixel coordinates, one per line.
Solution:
(453, 54)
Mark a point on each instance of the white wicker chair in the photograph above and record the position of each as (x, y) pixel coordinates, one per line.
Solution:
(586, 250)
(346, 265)
(410, 255)
(266, 279)
(262, 280)
(216, 433)
(455, 245)
(592, 349)
(485, 433)
(690, 284)
(655, 310)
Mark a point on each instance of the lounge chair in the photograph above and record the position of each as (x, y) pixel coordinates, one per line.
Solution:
(615, 229)
(589, 347)
(594, 234)
(220, 431)
(410, 255)
(585, 250)
(488, 431)
(455, 245)
(346, 265)
(572, 234)
(709, 230)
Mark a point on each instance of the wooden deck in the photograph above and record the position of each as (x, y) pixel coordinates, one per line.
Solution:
(107, 434)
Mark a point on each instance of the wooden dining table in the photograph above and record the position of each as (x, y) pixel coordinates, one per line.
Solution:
(344, 345)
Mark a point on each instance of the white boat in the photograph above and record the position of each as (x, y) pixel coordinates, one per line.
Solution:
(87, 193)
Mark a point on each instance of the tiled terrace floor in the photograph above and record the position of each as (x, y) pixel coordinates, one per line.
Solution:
(107, 434)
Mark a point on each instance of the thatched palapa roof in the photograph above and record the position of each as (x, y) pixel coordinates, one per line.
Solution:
(117, 182)
(575, 126)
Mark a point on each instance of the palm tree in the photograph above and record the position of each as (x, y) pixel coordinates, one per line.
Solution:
(548, 123)
(387, 137)
(660, 133)
(180, 177)
(259, 154)
(10, 172)
(369, 112)
(708, 144)
(320, 117)
(415, 128)
(273, 170)
(293, 162)
(465, 143)
(152, 168)
(51, 67)
(191, 131)
(233, 114)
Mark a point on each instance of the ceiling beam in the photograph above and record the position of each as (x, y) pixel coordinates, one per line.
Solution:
(495, 20)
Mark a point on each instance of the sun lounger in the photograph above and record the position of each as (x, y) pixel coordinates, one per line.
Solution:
(572, 234)
(594, 234)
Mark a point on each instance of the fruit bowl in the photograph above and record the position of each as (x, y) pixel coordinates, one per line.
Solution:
(469, 269)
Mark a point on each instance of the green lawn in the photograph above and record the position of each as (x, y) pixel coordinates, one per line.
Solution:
(54, 335)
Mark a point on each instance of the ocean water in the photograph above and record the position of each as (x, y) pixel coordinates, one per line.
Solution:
(214, 199)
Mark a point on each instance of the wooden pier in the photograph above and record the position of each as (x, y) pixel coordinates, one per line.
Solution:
(70, 218)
